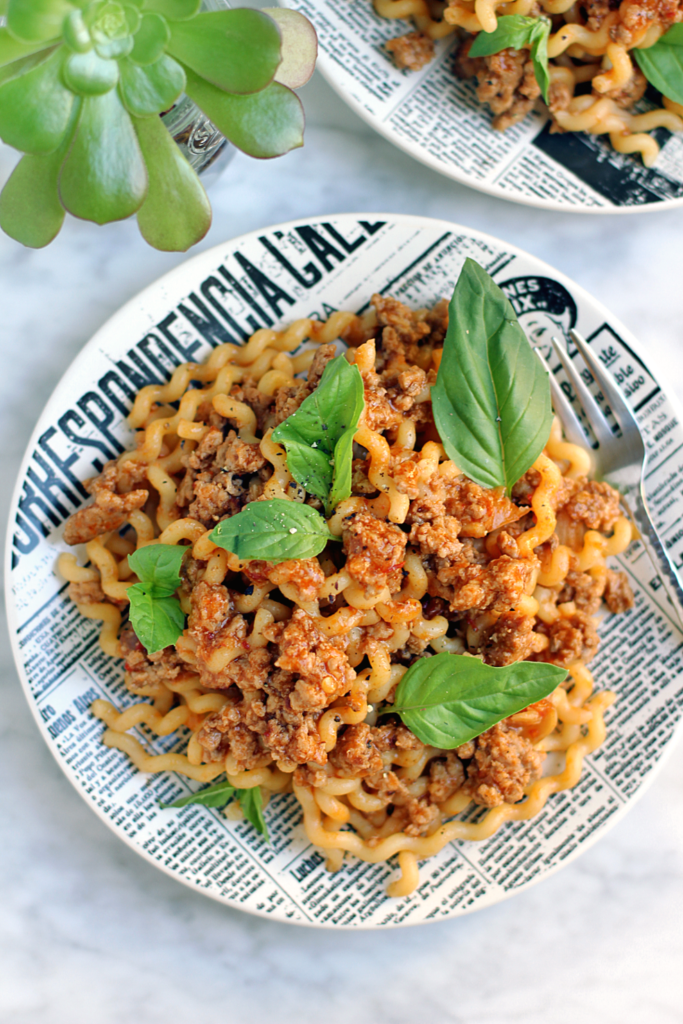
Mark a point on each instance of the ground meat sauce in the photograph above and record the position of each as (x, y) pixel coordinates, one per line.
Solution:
(463, 539)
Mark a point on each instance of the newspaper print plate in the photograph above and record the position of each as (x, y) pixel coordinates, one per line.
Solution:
(437, 119)
(307, 268)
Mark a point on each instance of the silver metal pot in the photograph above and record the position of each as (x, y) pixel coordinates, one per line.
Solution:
(206, 149)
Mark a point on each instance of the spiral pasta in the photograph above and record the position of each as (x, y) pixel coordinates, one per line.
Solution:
(590, 50)
(282, 668)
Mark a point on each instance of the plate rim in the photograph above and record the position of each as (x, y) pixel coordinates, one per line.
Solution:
(327, 69)
(10, 604)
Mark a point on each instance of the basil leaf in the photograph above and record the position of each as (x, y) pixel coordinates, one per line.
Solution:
(217, 795)
(662, 64)
(491, 400)
(318, 437)
(220, 794)
(518, 32)
(157, 621)
(251, 804)
(275, 531)
(451, 698)
(157, 566)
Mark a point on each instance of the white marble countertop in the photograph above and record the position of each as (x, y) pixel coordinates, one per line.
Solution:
(90, 933)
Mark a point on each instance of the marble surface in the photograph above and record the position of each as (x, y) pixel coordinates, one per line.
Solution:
(91, 934)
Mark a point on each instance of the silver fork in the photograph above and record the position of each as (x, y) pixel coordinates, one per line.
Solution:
(620, 461)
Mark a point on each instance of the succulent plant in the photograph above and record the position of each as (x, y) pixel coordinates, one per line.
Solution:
(82, 83)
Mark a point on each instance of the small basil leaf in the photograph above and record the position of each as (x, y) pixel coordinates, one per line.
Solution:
(157, 566)
(150, 39)
(37, 20)
(217, 795)
(274, 531)
(662, 64)
(173, 185)
(35, 107)
(318, 437)
(491, 400)
(30, 210)
(238, 50)
(151, 89)
(451, 698)
(539, 55)
(157, 621)
(519, 32)
(264, 124)
(88, 74)
(251, 805)
(104, 176)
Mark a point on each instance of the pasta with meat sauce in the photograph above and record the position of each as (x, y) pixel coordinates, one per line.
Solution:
(594, 80)
(282, 668)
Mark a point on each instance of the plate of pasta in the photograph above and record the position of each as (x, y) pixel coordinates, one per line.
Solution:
(310, 598)
(558, 104)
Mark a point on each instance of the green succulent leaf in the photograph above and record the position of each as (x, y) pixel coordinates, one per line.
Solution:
(30, 210)
(104, 176)
(75, 33)
(150, 40)
(239, 50)
(264, 124)
(36, 20)
(88, 74)
(176, 10)
(133, 18)
(24, 64)
(152, 89)
(35, 107)
(12, 49)
(173, 185)
(299, 46)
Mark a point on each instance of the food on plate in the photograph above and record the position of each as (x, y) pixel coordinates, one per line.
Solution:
(589, 61)
(373, 587)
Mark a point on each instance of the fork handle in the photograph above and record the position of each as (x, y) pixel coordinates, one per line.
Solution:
(659, 556)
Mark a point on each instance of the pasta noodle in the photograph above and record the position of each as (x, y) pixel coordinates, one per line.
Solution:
(279, 676)
(591, 50)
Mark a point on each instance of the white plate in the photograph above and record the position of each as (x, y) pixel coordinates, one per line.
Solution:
(287, 271)
(437, 119)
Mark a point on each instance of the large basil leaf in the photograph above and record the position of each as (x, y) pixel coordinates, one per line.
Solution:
(449, 699)
(318, 436)
(263, 124)
(275, 531)
(662, 64)
(173, 185)
(157, 621)
(104, 176)
(35, 107)
(518, 32)
(491, 400)
(238, 50)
